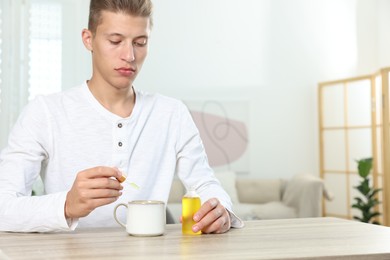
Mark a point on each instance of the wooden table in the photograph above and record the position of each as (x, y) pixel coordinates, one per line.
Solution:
(319, 238)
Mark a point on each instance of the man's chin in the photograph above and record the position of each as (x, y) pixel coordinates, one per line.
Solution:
(123, 85)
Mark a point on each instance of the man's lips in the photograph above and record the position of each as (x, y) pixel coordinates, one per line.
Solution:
(126, 71)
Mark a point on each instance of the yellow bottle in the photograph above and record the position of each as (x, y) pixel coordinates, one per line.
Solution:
(190, 205)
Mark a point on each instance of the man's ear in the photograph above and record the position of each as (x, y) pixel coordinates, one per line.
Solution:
(87, 36)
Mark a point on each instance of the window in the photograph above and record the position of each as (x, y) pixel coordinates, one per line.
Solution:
(45, 51)
(30, 55)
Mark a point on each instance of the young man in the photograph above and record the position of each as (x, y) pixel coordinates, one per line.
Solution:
(83, 140)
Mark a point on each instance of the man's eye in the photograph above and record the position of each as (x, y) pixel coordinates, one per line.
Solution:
(115, 42)
(140, 43)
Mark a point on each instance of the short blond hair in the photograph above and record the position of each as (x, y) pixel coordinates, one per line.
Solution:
(142, 8)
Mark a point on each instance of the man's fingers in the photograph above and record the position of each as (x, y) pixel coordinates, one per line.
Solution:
(220, 225)
(101, 202)
(205, 209)
(211, 220)
(99, 178)
(101, 171)
(83, 209)
(212, 217)
(215, 227)
(105, 183)
(92, 188)
(103, 193)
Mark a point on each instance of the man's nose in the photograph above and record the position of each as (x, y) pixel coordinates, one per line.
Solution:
(129, 53)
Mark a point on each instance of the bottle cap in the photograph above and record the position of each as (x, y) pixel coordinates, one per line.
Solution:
(191, 192)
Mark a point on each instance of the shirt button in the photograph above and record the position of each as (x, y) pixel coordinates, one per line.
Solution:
(120, 144)
(120, 125)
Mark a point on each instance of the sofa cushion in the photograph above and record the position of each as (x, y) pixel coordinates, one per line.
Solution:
(259, 190)
(245, 211)
(273, 210)
(228, 183)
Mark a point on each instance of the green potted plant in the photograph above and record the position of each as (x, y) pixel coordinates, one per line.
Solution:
(368, 200)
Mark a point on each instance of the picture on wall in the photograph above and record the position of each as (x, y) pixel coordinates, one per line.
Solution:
(223, 127)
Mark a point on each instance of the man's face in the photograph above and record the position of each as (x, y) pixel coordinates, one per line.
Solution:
(119, 48)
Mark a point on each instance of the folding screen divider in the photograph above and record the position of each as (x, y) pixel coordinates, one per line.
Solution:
(354, 121)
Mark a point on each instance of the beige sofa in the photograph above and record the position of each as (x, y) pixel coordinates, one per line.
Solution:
(255, 198)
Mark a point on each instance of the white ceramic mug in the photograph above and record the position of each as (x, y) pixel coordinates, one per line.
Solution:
(144, 217)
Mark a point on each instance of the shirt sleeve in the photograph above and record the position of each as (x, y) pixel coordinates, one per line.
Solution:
(193, 168)
(20, 166)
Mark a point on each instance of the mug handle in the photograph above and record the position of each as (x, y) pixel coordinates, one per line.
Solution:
(117, 220)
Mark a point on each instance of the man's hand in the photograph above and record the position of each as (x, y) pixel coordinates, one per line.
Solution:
(212, 217)
(92, 188)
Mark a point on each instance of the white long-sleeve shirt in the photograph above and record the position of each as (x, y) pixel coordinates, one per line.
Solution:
(59, 135)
